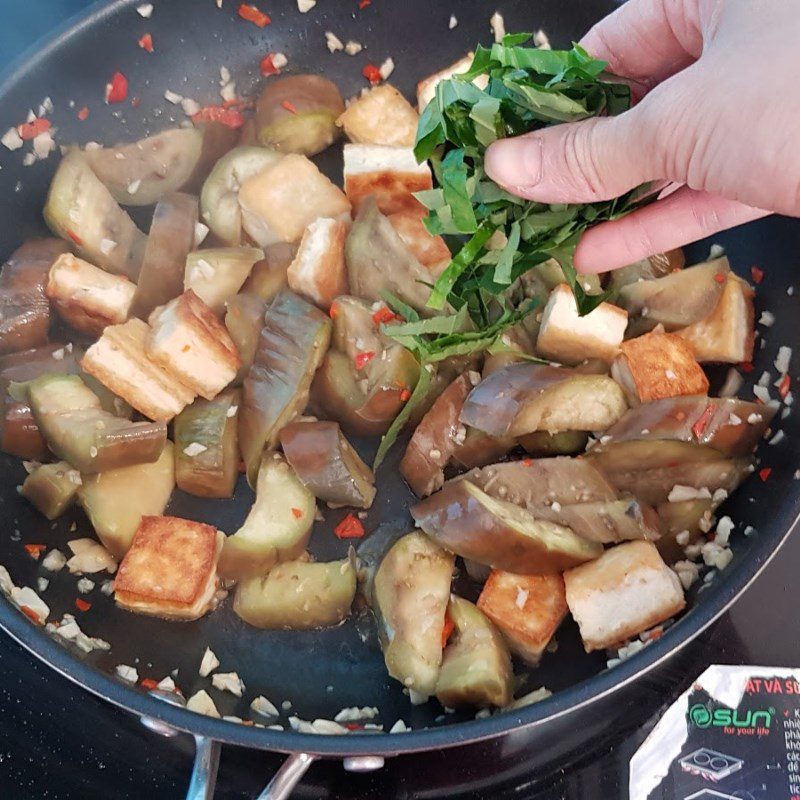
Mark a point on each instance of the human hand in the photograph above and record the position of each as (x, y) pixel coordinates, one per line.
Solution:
(719, 113)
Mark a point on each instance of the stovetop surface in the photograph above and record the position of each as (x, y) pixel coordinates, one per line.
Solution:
(57, 741)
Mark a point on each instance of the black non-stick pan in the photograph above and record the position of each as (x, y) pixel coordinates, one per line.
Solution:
(321, 672)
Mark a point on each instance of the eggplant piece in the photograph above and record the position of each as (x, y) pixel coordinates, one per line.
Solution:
(244, 320)
(80, 209)
(435, 440)
(479, 449)
(647, 454)
(379, 262)
(219, 199)
(291, 346)
(327, 464)
(143, 173)
(542, 443)
(474, 525)
(676, 300)
(278, 526)
(410, 593)
(524, 398)
(19, 433)
(269, 275)
(542, 482)
(216, 276)
(654, 485)
(476, 666)
(24, 307)
(298, 596)
(52, 488)
(212, 425)
(78, 430)
(730, 426)
(695, 517)
(298, 114)
(107, 499)
(648, 269)
(169, 243)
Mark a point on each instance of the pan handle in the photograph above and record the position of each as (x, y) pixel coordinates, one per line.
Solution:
(287, 777)
(204, 770)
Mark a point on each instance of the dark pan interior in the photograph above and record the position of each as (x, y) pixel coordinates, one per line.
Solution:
(321, 672)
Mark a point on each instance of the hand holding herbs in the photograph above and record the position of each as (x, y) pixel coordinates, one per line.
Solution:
(694, 126)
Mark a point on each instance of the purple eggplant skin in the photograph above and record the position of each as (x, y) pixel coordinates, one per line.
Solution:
(473, 525)
(171, 239)
(292, 343)
(24, 307)
(327, 464)
(542, 482)
(653, 486)
(435, 440)
(244, 320)
(730, 426)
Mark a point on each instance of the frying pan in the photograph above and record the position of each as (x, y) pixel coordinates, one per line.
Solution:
(320, 672)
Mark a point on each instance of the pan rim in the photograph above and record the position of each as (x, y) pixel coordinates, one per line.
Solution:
(737, 580)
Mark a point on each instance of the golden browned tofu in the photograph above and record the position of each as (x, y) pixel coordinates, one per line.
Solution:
(170, 569)
(86, 297)
(430, 251)
(380, 116)
(623, 593)
(119, 360)
(318, 271)
(571, 339)
(390, 174)
(191, 343)
(658, 365)
(280, 202)
(726, 335)
(526, 608)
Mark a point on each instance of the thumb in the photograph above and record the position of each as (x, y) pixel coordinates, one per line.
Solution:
(579, 162)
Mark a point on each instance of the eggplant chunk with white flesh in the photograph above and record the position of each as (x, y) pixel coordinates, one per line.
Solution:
(170, 240)
(410, 593)
(144, 172)
(78, 430)
(683, 522)
(498, 533)
(327, 464)
(298, 595)
(207, 446)
(291, 346)
(52, 488)
(81, 210)
(217, 275)
(270, 274)
(729, 426)
(106, 499)
(677, 299)
(219, 199)
(542, 443)
(476, 665)
(524, 398)
(244, 319)
(298, 114)
(24, 307)
(278, 526)
(657, 266)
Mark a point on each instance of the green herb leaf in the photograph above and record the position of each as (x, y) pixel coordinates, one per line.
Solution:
(468, 253)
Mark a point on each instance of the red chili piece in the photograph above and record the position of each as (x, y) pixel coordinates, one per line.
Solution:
(254, 15)
(117, 90)
(349, 528)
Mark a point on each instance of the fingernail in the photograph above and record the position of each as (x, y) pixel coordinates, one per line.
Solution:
(515, 163)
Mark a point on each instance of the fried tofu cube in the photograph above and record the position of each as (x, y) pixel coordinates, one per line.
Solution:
(430, 251)
(170, 570)
(727, 334)
(318, 271)
(279, 203)
(426, 89)
(119, 360)
(87, 297)
(390, 174)
(527, 609)
(570, 339)
(189, 341)
(381, 116)
(658, 365)
(629, 589)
